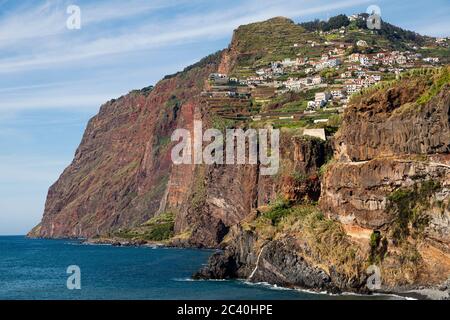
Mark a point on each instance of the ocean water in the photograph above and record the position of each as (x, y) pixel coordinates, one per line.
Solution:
(36, 269)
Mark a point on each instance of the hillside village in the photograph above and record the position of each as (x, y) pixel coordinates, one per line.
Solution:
(315, 86)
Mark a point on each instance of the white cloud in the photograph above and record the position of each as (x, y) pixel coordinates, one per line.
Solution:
(49, 18)
(27, 22)
(176, 30)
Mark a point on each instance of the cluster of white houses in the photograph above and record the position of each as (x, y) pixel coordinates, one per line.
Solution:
(350, 74)
(332, 73)
(406, 58)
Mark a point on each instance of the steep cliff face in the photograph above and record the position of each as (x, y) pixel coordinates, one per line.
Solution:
(391, 123)
(122, 174)
(392, 175)
(385, 197)
(221, 196)
(389, 141)
(119, 176)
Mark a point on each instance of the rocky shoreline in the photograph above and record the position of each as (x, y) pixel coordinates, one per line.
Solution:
(116, 242)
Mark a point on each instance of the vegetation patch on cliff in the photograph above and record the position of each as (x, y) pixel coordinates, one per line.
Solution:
(438, 81)
(409, 206)
(409, 91)
(402, 263)
(378, 247)
(320, 240)
(277, 211)
(158, 228)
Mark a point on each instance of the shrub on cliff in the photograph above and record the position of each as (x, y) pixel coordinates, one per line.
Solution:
(408, 206)
(326, 238)
(378, 247)
(279, 209)
(160, 228)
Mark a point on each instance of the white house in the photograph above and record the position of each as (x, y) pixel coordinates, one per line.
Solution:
(431, 60)
(311, 105)
(321, 98)
(361, 43)
(288, 63)
(333, 63)
(337, 94)
(316, 80)
(354, 57)
(364, 60)
(401, 59)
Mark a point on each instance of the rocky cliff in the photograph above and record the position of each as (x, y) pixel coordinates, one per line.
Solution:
(391, 175)
(122, 170)
(377, 193)
(122, 175)
(384, 201)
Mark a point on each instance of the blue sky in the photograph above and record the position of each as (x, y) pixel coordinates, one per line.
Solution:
(52, 80)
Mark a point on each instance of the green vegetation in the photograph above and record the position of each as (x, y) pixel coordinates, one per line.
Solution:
(158, 228)
(375, 239)
(289, 124)
(331, 126)
(125, 171)
(290, 101)
(173, 102)
(335, 22)
(438, 82)
(329, 73)
(211, 59)
(147, 90)
(278, 210)
(383, 85)
(433, 78)
(326, 238)
(221, 123)
(389, 36)
(326, 165)
(408, 205)
(299, 177)
(263, 42)
(402, 265)
(442, 53)
(164, 141)
(378, 248)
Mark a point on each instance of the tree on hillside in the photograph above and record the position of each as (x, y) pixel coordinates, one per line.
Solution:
(336, 22)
